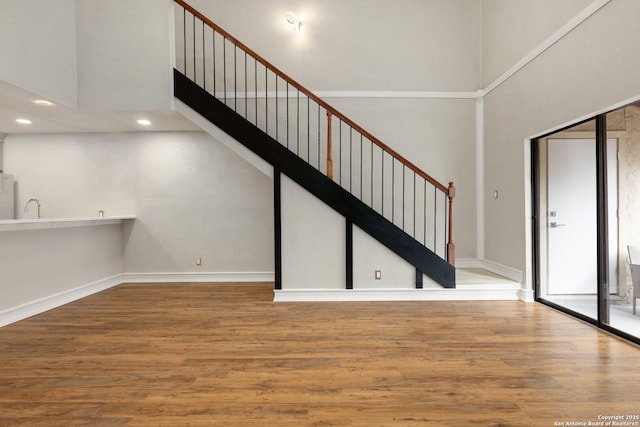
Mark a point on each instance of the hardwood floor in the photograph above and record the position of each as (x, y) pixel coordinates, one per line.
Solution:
(224, 354)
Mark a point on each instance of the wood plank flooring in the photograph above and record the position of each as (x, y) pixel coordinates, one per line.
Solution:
(225, 354)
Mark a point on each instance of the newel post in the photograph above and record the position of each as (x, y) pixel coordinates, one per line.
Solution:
(451, 247)
(329, 147)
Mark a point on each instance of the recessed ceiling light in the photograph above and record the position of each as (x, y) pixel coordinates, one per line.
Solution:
(144, 122)
(23, 121)
(43, 102)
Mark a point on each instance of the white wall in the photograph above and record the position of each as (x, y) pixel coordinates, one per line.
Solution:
(513, 28)
(362, 45)
(38, 47)
(124, 54)
(191, 195)
(593, 67)
(313, 241)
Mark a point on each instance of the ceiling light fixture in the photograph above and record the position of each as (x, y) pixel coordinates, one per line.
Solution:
(23, 121)
(294, 20)
(43, 102)
(144, 122)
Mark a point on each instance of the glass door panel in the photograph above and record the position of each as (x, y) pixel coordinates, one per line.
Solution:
(623, 174)
(568, 219)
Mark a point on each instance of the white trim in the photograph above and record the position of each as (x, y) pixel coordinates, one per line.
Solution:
(469, 263)
(526, 295)
(499, 269)
(550, 41)
(480, 177)
(41, 305)
(317, 295)
(281, 94)
(396, 94)
(197, 277)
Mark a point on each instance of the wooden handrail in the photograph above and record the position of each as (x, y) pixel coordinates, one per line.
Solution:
(315, 98)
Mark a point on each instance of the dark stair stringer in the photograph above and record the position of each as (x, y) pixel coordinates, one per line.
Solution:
(315, 182)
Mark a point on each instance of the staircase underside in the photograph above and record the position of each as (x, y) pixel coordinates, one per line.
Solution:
(332, 194)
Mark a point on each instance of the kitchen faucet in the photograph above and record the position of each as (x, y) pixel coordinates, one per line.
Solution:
(26, 207)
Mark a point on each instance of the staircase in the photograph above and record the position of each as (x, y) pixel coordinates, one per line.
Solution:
(372, 186)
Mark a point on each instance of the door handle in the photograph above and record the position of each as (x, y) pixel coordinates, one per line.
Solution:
(556, 225)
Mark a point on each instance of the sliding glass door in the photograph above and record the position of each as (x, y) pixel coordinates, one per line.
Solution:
(580, 256)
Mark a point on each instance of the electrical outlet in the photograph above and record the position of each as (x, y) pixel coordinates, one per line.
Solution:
(198, 261)
(378, 274)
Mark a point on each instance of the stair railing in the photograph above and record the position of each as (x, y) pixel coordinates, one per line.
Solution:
(315, 131)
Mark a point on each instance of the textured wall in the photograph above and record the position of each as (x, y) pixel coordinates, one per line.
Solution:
(192, 196)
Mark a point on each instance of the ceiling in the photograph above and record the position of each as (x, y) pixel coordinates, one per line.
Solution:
(17, 103)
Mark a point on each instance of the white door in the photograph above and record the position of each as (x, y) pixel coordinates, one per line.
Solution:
(572, 216)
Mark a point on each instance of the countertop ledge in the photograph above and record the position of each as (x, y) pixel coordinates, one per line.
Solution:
(47, 223)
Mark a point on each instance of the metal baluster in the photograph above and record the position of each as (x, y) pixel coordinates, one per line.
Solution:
(184, 39)
(224, 67)
(308, 130)
(382, 155)
(393, 189)
(435, 217)
(361, 172)
(414, 205)
(350, 158)
(403, 194)
(193, 24)
(340, 153)
(424, 203)
(246, 89)
(371, 173)
(319, 162)
(329, 145)
(204, 61)
(266, 101)
(298, 122)
(213, 43)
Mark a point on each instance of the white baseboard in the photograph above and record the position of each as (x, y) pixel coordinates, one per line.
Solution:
(318, 295)
(197, 277)
(494, 267)
(526, 295)
(41, 305)
(494, 293)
